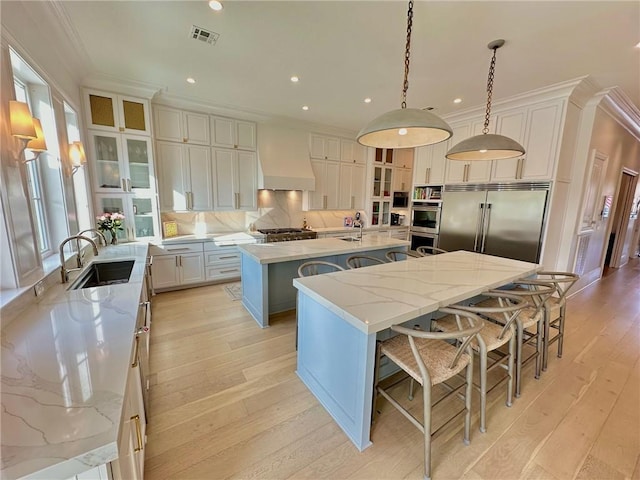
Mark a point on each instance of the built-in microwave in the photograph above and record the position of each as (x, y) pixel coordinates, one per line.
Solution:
(425, 218)
(400, 199)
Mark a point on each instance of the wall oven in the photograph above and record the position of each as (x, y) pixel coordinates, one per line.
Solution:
(425, 218)
(423, 240)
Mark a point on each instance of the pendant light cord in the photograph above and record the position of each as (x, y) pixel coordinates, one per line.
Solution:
(492, 69)
(407, 55)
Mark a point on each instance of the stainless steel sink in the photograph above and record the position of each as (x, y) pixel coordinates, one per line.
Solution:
(104, 273)
(349, 239)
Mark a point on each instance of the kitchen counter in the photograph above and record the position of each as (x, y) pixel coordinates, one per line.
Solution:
(268, 269)
(340, 314)
(222, 239)
(65, 361)
(265, 253)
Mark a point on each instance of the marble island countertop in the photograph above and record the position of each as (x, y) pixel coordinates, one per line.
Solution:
(376, 297)
(265, 253)
(65, 361)
(222, 239)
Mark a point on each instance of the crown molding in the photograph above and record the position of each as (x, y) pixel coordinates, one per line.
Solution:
(126, 86)
(65, 27)
(619, 106)
(549, 92)
(204, 106)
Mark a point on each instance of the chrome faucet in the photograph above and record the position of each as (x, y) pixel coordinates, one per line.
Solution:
(100, 234)
(80, 256)
(64, 272)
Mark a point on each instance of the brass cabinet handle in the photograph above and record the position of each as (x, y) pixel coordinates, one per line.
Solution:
(136, 419)
(229, 256)
(229, 271)
(121, 129)
(135, 355)
(124, 184)
(427, 175)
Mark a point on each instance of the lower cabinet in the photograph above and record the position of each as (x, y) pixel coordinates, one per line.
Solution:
(221, 263)
(177, 264)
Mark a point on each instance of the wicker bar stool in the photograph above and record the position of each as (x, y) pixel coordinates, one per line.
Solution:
(555, 309)
(488, 342)
(397, 255)
(429, 359)
(317, 267)
(529, 323)
(426, 250)
(359, 261)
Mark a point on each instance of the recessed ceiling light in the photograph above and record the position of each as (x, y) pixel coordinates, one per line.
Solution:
(457, 100)
(638, 45)
(305, 107)
(367, 100)
(215, 5)
(191, 80)
(295, 79)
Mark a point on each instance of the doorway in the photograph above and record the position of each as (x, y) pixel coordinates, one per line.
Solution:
(622, 224)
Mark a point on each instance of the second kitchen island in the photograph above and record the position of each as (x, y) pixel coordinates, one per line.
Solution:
(268, 269)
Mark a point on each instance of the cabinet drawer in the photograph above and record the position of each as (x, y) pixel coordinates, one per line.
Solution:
(231, 256)
(176, 249)
(218, 272)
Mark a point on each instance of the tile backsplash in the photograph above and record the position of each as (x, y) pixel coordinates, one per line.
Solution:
(276, 209)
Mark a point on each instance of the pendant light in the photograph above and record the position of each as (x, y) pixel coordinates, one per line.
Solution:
(405, 127)
(487, 146)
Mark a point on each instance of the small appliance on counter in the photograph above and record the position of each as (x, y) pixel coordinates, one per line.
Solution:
(395, 219)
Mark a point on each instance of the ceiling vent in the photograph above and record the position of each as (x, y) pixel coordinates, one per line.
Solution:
(207, 36)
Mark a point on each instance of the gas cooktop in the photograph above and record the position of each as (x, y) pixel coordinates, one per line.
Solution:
(287, 234)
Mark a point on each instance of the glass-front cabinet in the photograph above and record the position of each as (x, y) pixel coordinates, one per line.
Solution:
(140, 214)
(121, 163)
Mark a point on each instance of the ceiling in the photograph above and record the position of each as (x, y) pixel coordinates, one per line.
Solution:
(344, 51)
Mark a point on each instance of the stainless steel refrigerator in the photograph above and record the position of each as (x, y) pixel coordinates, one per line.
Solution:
(496, 219)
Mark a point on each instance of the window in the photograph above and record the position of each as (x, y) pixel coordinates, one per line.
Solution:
(81, 192)
(34, 181)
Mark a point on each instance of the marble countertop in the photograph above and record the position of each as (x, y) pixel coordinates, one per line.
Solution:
(265, 253)
(65, 361)
(376, 297)
(353, 229)
(235, 238)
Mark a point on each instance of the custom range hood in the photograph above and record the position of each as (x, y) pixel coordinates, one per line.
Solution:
(283, 155)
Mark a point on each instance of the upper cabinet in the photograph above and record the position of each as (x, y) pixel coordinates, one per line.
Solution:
(236, 179)
(117, 113)
(121, 163)
(430, 164)
(458, 171)
(175, 125)
(403, 157)
(323, 147)
(231, 133)
(537, 128)
(352, 152)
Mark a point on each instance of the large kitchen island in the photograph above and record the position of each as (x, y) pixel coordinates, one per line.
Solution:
(341, 313)
(268, 269)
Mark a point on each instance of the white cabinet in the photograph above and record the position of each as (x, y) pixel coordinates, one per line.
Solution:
(132, 437)
(236, 179)
(177, 264)
(403, 157)
(458, 171)
(184, 177)
(352, 152)
(175, 125)
(352, 190)
(326, 194)
(121, 163)
(232, 133)
(536, 128)
(430, 164)
(323, 147)
(401, 233)
(401, 179)
(222, 263)
(117, 113)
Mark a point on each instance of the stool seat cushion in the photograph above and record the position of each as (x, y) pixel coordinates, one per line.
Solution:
(436, 354)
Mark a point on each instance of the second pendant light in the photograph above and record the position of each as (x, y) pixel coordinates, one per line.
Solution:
(487, 146)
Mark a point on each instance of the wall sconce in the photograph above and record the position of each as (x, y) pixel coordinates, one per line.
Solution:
(27, 129)
(77, 157)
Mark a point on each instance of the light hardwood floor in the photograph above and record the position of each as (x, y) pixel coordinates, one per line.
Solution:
(226, 402)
